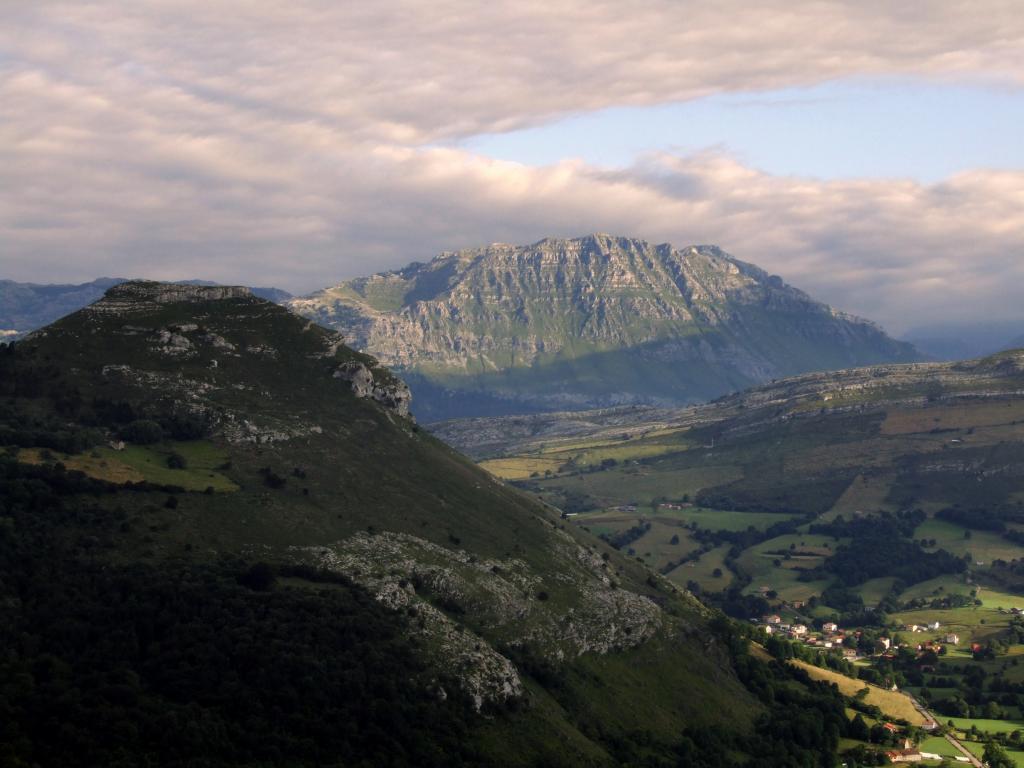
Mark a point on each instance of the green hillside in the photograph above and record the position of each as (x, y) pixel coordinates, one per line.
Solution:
(587, 322)
(224, 542)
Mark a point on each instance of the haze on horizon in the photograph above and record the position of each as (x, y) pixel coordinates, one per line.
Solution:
(867, 153)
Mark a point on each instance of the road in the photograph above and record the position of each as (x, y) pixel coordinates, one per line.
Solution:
(930, 724)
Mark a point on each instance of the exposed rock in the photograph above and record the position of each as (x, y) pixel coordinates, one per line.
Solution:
(144, 296)
(390, 392)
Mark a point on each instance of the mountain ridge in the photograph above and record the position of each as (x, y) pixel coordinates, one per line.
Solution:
(565, 323)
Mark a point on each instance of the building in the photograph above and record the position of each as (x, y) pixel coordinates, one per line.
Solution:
(952, 638)
(933, 625)
(773, 619)
(884, 642)
(799, 629)
(829, 626)
(904, 756)
(850, 653)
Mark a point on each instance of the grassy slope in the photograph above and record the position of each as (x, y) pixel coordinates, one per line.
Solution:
(892, 703)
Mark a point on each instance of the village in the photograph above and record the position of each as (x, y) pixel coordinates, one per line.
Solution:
(905, 743)
(850, 643)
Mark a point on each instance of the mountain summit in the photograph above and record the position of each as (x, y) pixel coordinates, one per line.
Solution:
(591, 321)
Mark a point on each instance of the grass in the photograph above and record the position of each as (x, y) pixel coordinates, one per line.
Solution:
(138, 463)
(641, 483)
(937, 745)
(656, 547)
(808, 551)
(702, 571)
(937, 587)
(874, 590)
(986, 726)
(725, 520)
(866, 493)
(520, 467)
(984, 546)
(893, 704)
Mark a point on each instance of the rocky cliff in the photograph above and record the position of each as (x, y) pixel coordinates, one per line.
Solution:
(586, 322)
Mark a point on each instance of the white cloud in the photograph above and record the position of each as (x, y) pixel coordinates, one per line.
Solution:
(288, 143)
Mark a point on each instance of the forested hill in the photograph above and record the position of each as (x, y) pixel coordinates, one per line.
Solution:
(224, 541)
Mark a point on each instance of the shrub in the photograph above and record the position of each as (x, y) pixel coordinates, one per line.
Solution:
(260, 577)
(143, 432)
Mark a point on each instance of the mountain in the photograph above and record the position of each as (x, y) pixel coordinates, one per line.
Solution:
(24, 307)
(223, 541)
(587, 322)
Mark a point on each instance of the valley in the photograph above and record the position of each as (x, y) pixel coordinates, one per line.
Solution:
(877, 499)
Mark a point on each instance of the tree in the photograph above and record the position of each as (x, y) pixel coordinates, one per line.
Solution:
(995, 757)
(143, 432)
(859, 728)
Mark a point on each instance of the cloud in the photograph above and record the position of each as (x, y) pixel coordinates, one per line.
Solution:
(295, 144)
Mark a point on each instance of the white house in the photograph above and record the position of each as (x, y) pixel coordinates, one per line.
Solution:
(952, 638)
(799, 629)
(933, 625)
(830, 626)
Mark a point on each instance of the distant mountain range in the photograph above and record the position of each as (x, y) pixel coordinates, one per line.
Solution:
(27, 306)
(590, 322)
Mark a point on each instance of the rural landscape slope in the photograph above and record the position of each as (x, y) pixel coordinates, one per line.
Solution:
(589, 322)
(223, 541)
(872, 518)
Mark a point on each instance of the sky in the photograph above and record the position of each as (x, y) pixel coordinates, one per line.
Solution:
(866, 151)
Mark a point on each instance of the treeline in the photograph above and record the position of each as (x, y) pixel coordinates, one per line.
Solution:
(70, 420)
(881, 546)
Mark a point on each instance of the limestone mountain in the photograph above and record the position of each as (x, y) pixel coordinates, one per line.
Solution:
(589, 322)
(223, 541)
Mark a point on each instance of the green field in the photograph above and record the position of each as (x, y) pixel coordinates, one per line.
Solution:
(937, 745)
(702, 571)
(149, 463)
(723, 520)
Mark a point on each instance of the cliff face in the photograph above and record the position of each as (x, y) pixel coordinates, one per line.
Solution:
(592, 321)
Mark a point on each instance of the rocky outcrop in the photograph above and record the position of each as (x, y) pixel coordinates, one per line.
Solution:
(144, 295)
(704, 322)
(373, 383)
(410, 574)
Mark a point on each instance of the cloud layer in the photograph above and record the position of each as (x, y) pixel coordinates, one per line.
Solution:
(297, 143)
